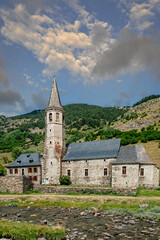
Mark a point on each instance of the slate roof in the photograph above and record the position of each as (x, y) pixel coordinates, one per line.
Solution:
(93, 150)
(26, 159)
(54, 100)
(133, 154)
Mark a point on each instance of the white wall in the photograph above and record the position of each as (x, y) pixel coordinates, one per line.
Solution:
(95, 171)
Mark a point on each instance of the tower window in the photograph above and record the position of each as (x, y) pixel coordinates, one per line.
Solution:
(57, 117)
(50, 142)
(50, 116)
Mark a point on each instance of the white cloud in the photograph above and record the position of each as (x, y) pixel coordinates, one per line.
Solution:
(141, 13)
(28, 79)
(58, 45)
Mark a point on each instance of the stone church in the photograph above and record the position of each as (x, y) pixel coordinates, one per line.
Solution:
(96, 163)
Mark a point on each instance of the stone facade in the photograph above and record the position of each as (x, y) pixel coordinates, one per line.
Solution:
(54, 139)
(15, 184)
(133, 178)
(99, 171)
(81, 190)
(31, 172)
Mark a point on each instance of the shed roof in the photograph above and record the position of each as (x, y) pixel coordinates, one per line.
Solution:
(26, 159)
(133, 154)
(93, 150)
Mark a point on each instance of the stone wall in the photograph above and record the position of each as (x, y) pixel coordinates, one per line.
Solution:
(15, 184)
(64, 190)
(132, 178)
(95, 171)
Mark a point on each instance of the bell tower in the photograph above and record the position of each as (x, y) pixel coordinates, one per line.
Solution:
(54, 138)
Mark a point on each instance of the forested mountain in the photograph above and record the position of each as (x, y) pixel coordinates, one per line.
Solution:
(85, 123)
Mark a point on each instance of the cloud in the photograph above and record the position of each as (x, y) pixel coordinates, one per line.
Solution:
(39, 100)
(11, 97)
(28, 79)
(123, 98)
(131, 53)
(59, 44)
(4, 80)
(141, 14)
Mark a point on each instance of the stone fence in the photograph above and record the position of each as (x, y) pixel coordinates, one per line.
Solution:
(92, 190)
(15, 184)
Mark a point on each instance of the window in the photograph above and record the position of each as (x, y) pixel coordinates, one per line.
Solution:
(28, 155)
(34, 178)
(29, 170)
(50, 142)
(35, 170)
(11, 171)
(142, 172)
(69, 172)
(105, 171)
(86, 172)
(57, 117)
(124, 170)
(50, 116)
(30, 160)
(30, 178)
(18, 161)
(16, 170)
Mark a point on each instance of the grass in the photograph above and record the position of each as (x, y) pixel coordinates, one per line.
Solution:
(3, 155)
(83, 203)
(27, 231)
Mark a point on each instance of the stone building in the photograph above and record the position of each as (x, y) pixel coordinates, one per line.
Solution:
(99, 163)
(27, 164)
(133, 167)
(54, 139)
(90, 163)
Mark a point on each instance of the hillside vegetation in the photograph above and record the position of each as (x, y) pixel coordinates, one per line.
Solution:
(138, 124)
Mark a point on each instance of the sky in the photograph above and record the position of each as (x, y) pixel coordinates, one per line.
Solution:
(102, 52)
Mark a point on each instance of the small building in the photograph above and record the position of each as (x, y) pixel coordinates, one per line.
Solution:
(27, 164)
(90, 163)
(133, 167)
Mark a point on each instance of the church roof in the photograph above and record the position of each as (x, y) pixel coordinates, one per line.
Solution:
(133, 154)
(26, 159)
(54, 100)
(93, 150)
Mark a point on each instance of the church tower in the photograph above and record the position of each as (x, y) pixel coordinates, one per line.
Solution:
(54, 138)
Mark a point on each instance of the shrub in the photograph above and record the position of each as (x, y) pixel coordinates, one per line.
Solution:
(64, 180)
(3, 170)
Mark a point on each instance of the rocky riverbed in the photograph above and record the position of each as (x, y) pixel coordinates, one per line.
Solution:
(88, 224)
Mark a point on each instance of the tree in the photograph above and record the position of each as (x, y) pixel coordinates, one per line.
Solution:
(3, 170)
(16, 152)
(64, 180)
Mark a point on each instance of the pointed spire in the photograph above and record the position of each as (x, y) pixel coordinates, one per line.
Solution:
(54, 100)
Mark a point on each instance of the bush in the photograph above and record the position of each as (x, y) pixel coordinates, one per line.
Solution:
(3, 170)
(16, 152)
(64, 180)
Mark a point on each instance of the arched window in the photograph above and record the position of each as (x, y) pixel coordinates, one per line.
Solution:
(142, 172)
(69, 172)
(86, 172)
(105, 171)
(50, 116)
(124, 170)
(57, 117)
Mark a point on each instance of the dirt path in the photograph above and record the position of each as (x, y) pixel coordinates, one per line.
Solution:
(90, 197)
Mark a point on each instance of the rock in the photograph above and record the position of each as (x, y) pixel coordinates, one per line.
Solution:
(45, 222)
(83, 214)
(131, 222)
(28, 207)
(144, 206)
(94, 210)
(145, 232)
(107, 235)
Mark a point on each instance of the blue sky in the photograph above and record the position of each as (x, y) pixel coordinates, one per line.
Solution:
(103, 52)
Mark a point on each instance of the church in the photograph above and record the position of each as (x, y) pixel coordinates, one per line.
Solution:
(95, 163)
